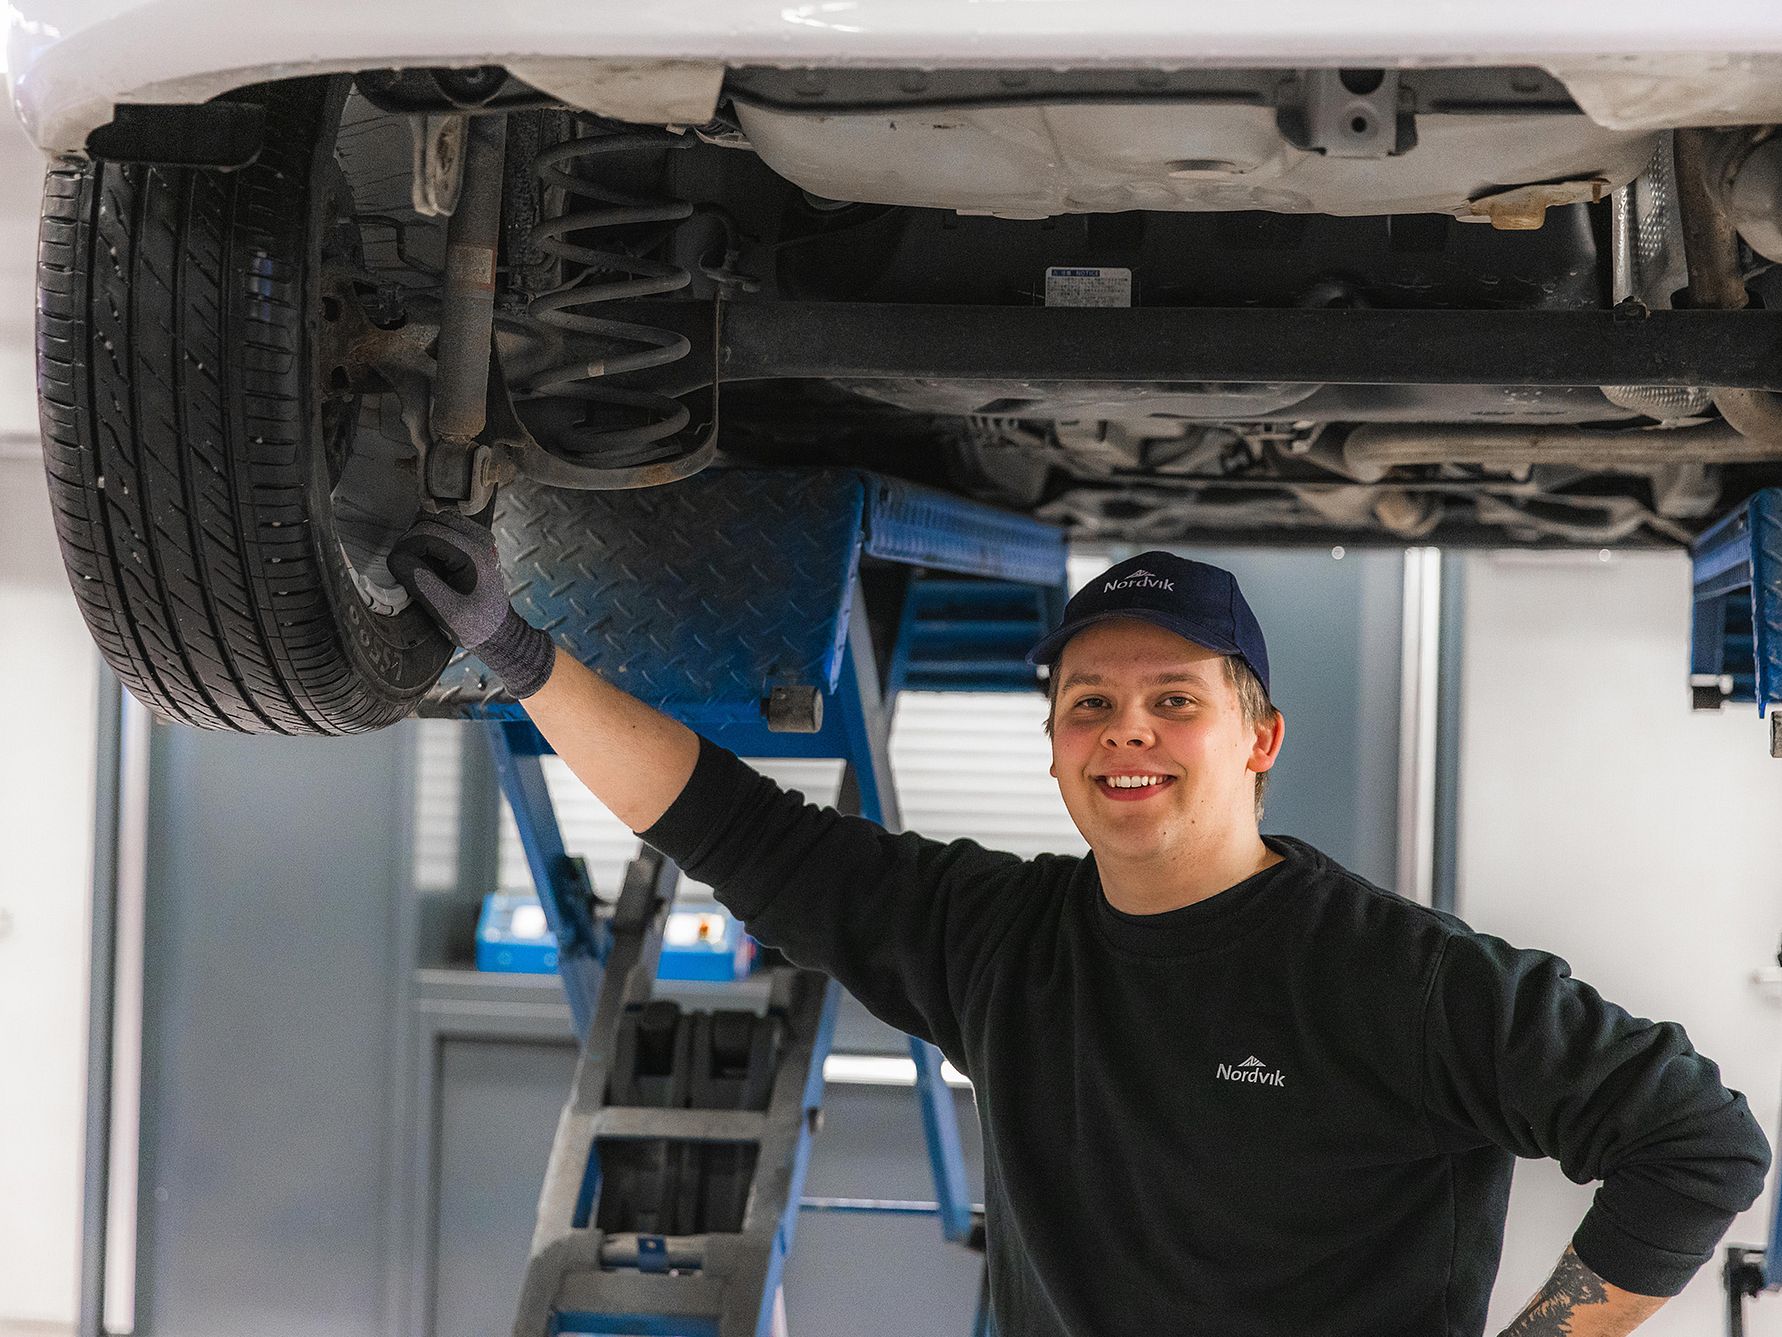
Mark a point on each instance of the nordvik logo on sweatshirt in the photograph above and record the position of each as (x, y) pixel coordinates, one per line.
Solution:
(1138, 580)
(1251, 1069)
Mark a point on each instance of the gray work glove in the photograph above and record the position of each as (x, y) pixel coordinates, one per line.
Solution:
(448, 563)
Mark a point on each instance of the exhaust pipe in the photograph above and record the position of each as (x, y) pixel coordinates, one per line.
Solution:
(1750, 432)
(1373, 449)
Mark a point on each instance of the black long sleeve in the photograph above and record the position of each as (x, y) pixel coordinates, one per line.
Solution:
(1519, 1052)
(904, 923)
(1290, 1110)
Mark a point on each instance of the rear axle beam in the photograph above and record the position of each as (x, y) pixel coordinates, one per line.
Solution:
(1158, 345)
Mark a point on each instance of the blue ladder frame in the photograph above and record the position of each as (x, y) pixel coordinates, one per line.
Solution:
(1735, 642)
(1735, 654)
(628, 583)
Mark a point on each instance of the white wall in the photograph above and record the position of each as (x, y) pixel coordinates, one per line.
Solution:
(48, 671)
(1602, 820)
(47, 679)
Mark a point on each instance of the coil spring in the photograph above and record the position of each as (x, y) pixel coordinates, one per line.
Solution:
(609, 276)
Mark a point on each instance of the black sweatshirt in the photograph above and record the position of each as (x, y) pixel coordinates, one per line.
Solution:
(1290, 1109)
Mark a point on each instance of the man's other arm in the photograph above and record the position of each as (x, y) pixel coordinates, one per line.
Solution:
(1521, 1054)
(1576, 1302)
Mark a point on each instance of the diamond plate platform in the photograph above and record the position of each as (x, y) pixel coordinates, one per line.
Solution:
(702, 596)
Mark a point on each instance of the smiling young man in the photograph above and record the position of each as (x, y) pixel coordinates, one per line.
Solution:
(1227, 1088)
(1159, 761)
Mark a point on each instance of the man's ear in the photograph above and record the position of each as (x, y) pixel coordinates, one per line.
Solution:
(1266, 742)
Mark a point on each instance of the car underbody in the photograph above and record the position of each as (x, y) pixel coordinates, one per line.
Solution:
(1153, 304)
(1448, 307)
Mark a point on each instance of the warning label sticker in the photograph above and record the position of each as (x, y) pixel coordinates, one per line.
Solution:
(1069, 286)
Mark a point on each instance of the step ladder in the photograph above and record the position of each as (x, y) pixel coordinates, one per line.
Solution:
(778, 612)
(665, 1201)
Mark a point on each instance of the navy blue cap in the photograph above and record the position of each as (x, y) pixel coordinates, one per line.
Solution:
(1198, 602)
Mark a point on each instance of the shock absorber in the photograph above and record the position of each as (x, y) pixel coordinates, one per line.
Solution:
(600, 425)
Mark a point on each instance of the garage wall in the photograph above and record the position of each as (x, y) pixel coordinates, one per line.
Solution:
(270, 1003)
(1602, 820)
(1332, 621)
(46, 815)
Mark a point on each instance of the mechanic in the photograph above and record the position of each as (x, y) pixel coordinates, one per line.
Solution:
(1226, 1086)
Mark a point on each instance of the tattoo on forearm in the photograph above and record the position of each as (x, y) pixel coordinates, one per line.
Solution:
(1571, 1288)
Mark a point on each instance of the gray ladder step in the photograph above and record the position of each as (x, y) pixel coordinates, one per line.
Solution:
(680, 1125)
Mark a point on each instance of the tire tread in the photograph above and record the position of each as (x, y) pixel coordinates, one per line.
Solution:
(178, 425)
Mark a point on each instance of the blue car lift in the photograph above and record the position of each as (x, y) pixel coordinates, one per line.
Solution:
(778, 613)
(1735, 644)
(1736, 655)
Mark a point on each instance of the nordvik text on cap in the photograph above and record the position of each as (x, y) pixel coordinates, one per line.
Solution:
(1199, 602)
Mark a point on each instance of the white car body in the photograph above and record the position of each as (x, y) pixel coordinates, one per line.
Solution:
(1640, 65)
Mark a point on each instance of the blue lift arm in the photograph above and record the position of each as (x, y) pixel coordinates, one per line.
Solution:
(735, 601)
(1735, 654)
(583, 942)
(1735, 643)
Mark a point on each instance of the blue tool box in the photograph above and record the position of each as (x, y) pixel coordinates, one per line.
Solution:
(513, 936)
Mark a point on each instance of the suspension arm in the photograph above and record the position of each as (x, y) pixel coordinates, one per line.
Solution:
(457, 469)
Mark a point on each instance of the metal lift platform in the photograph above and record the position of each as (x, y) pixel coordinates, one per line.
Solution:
(1736, 655)
(778, 612)
(1735, 638)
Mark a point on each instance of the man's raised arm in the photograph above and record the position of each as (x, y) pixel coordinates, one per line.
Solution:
(904, 923)
(632, 758)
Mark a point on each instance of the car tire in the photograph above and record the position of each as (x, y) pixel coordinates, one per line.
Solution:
(194, 444)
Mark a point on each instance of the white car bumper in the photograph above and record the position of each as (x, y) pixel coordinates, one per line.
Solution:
(1639, 64)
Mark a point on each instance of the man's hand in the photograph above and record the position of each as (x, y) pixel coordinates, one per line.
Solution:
(634, 759)
(1578, 1303)
(448, 563)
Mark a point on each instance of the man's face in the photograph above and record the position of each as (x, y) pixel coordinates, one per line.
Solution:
(1149, 744)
